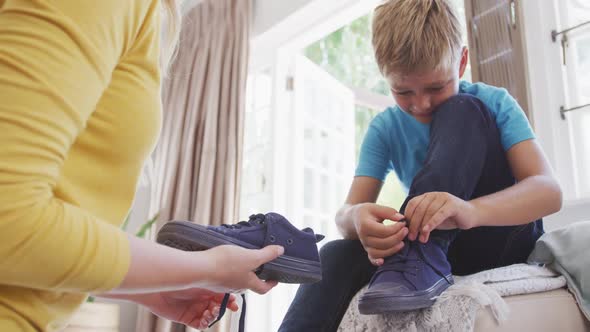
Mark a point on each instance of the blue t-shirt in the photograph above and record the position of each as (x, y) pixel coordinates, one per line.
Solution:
(396, 141)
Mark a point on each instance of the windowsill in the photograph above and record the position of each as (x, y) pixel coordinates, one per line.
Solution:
(576, 203)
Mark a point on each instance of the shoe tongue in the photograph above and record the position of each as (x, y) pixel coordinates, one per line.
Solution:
(318, 237)
(257, 218)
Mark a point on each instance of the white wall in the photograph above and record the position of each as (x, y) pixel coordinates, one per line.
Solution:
(267, 13)
(290, 26)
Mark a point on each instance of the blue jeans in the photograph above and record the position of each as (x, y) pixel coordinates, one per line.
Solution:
(465, 158)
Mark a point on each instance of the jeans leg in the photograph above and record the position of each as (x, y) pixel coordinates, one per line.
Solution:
(466, 159)
(463, 138)
(321, 306)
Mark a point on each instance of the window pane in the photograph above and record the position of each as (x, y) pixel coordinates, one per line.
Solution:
(325, 195)
(325, 147)
(255, 195)
(308, 189)
(308, 147)
(347, 54)
(578, 11)
(582, 63)
(263, 89)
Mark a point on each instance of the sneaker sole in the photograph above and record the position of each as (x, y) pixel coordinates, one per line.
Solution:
(382, 303)
(193, 237)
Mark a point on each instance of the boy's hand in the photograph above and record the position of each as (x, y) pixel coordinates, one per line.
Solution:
(438, 210)
(379, 240)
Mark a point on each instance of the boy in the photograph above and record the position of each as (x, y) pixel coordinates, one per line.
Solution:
(478, 182)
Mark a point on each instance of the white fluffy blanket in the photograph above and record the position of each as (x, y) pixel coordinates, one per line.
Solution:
(456, 308)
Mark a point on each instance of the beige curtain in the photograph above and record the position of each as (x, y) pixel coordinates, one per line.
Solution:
(496, 46)
(196, 165)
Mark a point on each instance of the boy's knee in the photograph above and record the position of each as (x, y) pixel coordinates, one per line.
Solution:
(464, 108)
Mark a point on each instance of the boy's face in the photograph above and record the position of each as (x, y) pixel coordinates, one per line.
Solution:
(418, 94)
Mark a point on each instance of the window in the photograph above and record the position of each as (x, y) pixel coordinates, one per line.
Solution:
(347, 55)
(304, 129)
(577, 68)
(255, 163)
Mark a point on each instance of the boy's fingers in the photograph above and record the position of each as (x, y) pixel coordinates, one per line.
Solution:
(375, 261)
(434, 207)
(377, 229)
(420, 203)
(388, 242)
(412, 204)
(376, 253)
(441, 215)
(385, 212)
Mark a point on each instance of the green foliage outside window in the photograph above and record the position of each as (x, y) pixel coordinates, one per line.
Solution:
(347, 54)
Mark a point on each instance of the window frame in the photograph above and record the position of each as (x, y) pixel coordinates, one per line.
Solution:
(548, 80)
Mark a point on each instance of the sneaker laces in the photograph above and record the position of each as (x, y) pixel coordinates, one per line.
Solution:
(254, 219)
(223, 307)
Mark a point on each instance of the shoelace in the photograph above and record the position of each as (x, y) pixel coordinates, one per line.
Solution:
(253, 219)
(409, 268)
(223, 307)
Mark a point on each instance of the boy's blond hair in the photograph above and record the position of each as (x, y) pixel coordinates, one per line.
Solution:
(416, 35)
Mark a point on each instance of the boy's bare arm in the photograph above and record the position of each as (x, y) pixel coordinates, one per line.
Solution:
(363, 189)
(535, 195)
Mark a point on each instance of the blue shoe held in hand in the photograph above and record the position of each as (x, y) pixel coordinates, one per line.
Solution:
(300, 262)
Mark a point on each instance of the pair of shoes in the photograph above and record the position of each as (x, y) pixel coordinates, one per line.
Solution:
(300, 262)
(408, 280)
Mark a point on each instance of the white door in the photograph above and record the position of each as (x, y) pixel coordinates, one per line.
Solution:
(311, 150)
(324, 146)
(313, 164)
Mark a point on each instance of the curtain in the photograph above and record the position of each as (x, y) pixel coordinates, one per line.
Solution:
(197, 162)
(496, 46)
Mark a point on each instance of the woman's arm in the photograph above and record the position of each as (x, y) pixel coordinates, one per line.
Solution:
(157, 268)
(55, 63)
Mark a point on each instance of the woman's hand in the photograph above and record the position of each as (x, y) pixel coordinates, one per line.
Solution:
(438, 210)
(231, 268)
(194, 307)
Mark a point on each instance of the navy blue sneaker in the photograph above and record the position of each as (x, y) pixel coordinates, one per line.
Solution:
(299, 264)
(408, 280)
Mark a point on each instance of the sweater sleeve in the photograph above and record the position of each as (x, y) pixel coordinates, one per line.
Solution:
(56, 60)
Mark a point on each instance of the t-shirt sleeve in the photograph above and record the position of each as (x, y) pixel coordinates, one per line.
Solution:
(511, 120)
(374, 156)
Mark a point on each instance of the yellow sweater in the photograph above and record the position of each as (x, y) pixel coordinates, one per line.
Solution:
(79, 114)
